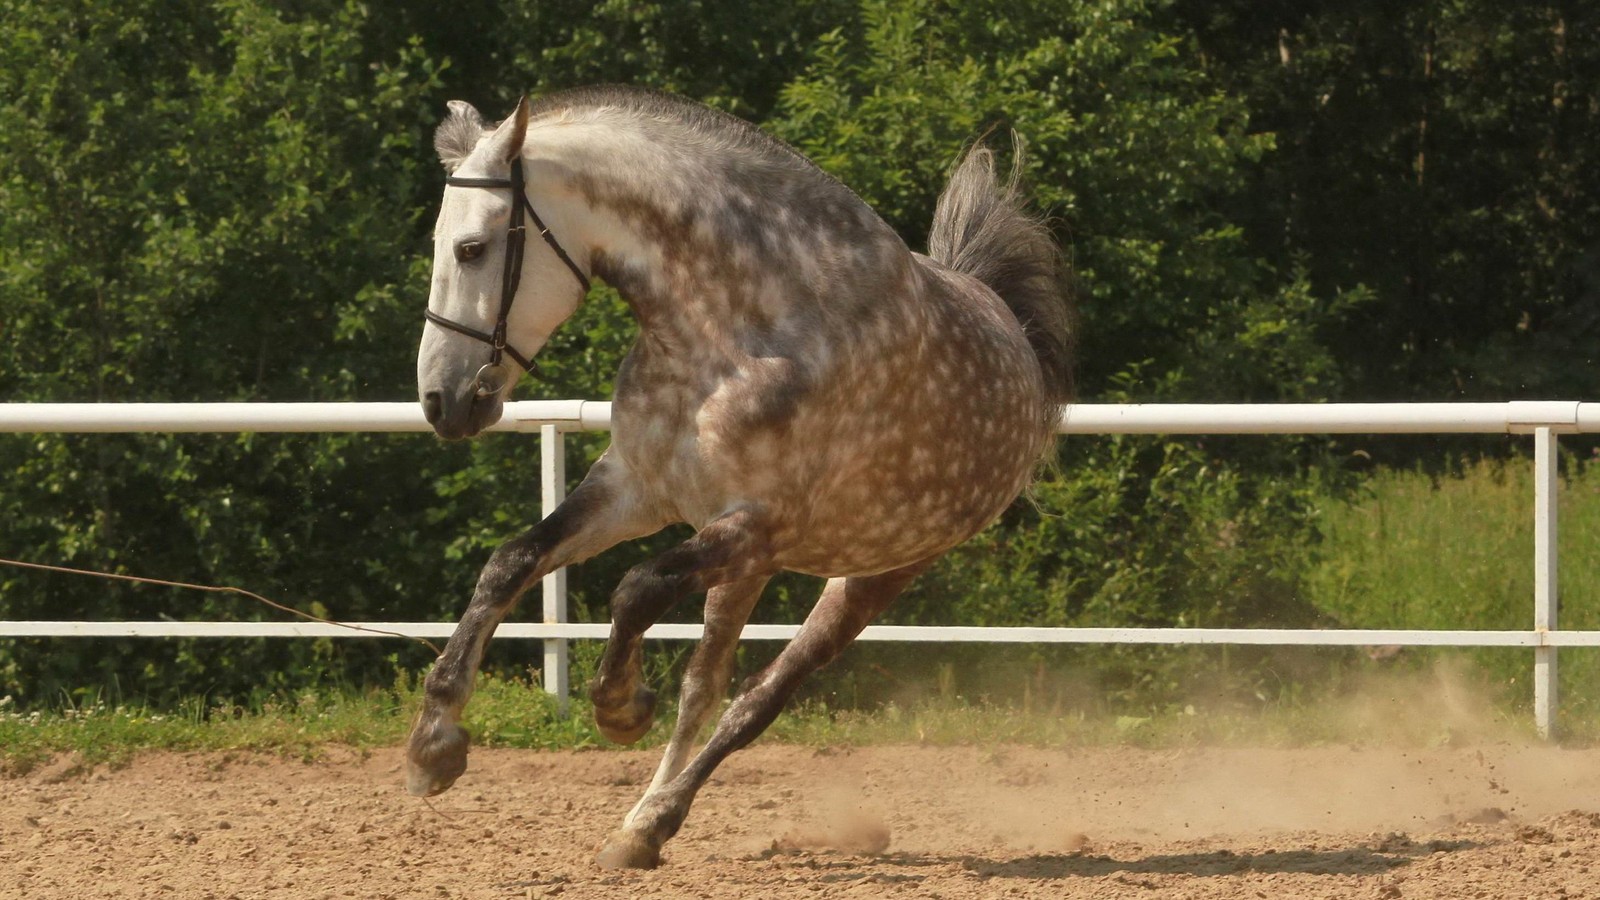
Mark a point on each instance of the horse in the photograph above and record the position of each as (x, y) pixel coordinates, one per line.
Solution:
(805, 392)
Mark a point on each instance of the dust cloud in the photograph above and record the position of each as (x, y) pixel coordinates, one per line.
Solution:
(1393, 752)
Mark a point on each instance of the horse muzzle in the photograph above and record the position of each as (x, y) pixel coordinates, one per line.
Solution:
(461, 416)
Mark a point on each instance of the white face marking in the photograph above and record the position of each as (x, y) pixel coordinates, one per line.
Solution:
(469, 268)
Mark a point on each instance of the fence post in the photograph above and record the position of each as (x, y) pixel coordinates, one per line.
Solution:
(552, 490)
(1545, 582)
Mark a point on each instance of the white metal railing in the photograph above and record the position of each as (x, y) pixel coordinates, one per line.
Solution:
(1545, 420)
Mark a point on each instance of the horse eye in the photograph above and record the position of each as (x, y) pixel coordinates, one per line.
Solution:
(468, 251)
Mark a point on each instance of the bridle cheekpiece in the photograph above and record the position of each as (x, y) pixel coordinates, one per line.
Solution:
(495, 375)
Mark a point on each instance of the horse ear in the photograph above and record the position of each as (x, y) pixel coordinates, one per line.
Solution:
(458, 134)
(508, 137)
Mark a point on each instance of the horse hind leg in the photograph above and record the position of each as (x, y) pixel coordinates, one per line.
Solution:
(846, 606)
(732, 548)
(705, 681)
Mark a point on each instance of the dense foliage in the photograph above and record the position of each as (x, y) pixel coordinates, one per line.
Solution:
(230, 200)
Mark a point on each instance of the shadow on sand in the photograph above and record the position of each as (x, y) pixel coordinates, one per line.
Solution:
(1391, 854)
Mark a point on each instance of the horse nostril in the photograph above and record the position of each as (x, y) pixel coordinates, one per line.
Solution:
(433, 407)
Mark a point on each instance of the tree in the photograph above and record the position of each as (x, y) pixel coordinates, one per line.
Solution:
(1441, 157)
(206, 202)
(231, 199)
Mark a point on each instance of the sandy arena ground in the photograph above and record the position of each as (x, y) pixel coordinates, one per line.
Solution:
(783, 821)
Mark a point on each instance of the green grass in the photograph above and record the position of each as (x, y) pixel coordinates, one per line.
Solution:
(1427, 709)
(1413, 551)
(1457, 553)
(504, 712)
(101, 733)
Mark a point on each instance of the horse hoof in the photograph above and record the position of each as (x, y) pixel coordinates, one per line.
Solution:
(626, 850)
(435, 757)
(629, 722)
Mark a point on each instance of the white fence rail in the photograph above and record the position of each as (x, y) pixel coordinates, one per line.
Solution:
(1545, 420)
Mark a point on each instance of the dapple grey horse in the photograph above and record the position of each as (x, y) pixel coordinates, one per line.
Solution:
(805, 391)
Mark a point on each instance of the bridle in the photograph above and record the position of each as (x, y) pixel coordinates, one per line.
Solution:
(495, 375)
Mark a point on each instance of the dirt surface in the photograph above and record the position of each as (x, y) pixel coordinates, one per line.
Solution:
(783, 821)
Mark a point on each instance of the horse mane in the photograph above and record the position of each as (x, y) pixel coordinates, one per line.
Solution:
(459, 133)
(647, 103)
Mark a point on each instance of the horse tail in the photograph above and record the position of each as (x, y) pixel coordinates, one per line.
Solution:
(981, 228)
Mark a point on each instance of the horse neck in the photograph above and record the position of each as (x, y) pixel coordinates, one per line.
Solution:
(705, 245)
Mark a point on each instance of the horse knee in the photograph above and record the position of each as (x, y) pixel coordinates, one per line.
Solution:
(641, 597)
(508, 572)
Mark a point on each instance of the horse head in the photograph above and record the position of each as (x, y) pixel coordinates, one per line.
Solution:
(489, 310)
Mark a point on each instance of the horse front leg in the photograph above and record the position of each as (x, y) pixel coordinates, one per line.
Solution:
(705, 681)
(599, 514)
(846, 606)
(732, 548)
